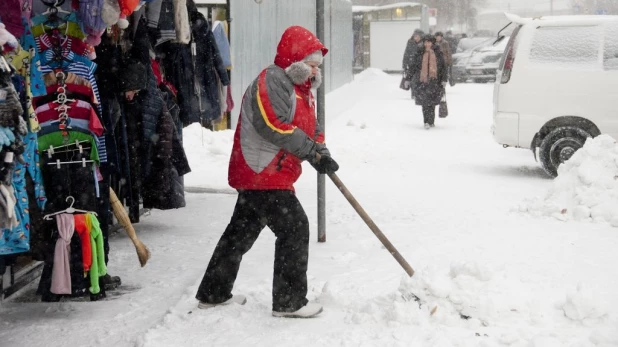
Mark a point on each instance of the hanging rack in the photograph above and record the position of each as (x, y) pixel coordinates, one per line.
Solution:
(69, 210)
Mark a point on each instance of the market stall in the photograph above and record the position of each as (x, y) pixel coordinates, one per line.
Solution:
(93, 98)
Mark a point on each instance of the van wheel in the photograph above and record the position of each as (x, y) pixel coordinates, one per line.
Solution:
(559, 146)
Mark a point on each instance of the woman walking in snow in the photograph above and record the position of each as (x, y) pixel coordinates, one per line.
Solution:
(430, 69)
(276, 131)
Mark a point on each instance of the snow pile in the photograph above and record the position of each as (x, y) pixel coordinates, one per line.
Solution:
(586, 188)
(467, 289)
(582, 305)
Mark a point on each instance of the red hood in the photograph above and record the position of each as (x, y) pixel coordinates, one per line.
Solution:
(297, 43)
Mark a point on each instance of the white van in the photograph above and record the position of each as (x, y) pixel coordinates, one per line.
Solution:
(557, 85)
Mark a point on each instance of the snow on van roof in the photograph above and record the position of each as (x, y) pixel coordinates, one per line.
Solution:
(560, 19)
(357, 9)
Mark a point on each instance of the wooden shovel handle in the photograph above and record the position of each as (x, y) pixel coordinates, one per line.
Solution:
(361, 212)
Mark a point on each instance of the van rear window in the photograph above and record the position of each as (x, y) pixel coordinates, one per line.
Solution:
(567, 46)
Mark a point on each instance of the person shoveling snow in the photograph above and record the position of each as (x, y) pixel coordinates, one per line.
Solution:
(276, 131)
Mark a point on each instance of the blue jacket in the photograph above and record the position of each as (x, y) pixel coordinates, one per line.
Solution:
(17, 240)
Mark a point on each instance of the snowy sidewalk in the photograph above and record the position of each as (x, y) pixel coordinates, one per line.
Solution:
(447, 198)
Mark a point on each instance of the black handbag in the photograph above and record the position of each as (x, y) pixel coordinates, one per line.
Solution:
(405, 83)
(443, 109)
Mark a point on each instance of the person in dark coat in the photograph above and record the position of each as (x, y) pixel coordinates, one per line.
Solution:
(429, 70)
(447, 52)
(452, 41)
(413, 46)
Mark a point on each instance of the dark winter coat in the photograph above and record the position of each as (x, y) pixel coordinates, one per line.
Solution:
(430, 93)
(208, 65)
(164, 188)
(411, 49)
(178, 68)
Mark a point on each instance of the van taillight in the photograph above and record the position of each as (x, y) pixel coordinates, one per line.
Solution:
(509, 57)
(508, 66)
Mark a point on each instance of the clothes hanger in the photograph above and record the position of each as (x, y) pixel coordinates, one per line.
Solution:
(52, 149)
(54, 7)
(69, 210)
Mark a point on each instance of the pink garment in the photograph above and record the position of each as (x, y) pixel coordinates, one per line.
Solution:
(26, 9)
(11, 17)
(229, 100)
(61, 272)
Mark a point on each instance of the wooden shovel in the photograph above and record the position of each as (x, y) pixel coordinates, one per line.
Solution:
(143, 253)
(361, 212)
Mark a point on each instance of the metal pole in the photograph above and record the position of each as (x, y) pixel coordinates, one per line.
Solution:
(319, 7)
(551, 7)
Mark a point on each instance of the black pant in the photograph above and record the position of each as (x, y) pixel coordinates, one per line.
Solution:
(281, 211)
(429, 114)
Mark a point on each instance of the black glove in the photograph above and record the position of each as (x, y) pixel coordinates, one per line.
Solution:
(326, 165)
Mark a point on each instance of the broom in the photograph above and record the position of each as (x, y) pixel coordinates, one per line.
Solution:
(143, 254)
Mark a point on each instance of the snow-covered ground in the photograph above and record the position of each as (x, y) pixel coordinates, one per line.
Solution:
(449, 199)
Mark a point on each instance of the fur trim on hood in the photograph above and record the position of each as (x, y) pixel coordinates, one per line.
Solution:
(315, 57)
(300, 72)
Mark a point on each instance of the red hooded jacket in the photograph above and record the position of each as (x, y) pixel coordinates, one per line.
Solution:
(277, 127)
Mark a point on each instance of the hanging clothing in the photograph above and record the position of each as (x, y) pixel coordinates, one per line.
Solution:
(17, 240)
(82, 229)
(61, 274)
(223, 43)
(20, 59)
(11, 16)
(167, 28)
(164, 188)
(56, 139)
(90, 14)
(208, 67)
(69, 27)
(79, 285)
(45, 42)
(98, 267)
(78, 110)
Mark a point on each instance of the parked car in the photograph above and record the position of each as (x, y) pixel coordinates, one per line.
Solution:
(469, 43)
(461, 60)
(484, 61)
(556, 85)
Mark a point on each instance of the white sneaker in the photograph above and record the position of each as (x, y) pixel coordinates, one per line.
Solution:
(236, 299)
(427, 126)
(307, 311)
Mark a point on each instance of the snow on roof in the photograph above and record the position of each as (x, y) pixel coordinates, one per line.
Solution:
(209, 2)
(489, 12)
(561, 19)
(357, 9)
